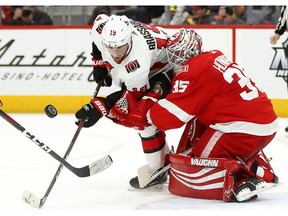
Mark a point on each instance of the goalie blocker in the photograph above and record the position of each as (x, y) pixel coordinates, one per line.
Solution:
(212, 178)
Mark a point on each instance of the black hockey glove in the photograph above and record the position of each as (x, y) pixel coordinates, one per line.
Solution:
(93, 110)
(100, 73)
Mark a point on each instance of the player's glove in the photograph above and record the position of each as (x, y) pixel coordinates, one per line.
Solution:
(134, 113)
(100, 73)
(121, 108)
(93, 110)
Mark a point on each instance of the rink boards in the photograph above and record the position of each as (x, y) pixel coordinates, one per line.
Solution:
(41, 65)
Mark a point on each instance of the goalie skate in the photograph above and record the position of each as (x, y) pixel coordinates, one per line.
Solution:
(251, 188)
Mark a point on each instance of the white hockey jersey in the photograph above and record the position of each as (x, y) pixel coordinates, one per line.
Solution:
(146, 58)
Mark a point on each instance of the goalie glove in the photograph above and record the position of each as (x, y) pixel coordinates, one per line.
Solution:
(93, 110)
(100, 72)
(121, 108)
(133, 115)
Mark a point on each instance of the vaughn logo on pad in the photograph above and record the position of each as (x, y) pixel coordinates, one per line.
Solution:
(204, 162)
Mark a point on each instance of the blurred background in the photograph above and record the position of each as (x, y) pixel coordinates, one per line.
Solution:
(169, 14)
(45, 50)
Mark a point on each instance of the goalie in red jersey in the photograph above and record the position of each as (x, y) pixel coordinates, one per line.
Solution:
(229, 121)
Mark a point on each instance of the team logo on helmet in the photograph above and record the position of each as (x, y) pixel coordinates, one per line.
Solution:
(181, 69)
(132, 66)
(126, 22)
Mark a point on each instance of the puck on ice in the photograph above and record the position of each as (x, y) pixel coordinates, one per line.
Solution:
(50, 111)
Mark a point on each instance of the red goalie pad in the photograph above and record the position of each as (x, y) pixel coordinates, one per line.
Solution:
(204, 178)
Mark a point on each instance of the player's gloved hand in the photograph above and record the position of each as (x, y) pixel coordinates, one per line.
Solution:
(136, 117)
(121, 108)
(100, 73)
(93, 110)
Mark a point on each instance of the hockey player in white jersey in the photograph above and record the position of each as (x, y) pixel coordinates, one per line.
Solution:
(133, 56)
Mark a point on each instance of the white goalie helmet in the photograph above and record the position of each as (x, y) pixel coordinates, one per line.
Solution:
(182, 46)
(117, 31)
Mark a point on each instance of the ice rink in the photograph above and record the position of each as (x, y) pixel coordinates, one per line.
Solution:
(24, 166)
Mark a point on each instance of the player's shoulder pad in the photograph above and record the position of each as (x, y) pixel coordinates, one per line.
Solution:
(100, 19)
(99, 22)
(98, 25)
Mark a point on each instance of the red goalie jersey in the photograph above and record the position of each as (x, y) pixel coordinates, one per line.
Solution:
(219, 94)
(238, 117)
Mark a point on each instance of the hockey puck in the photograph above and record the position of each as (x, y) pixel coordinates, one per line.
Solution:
(50, 111)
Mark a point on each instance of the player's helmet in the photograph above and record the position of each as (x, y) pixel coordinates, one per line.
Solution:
(182, 46)
(117, 31)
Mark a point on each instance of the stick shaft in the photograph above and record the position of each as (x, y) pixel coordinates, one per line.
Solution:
(81, 172)
(58, 171)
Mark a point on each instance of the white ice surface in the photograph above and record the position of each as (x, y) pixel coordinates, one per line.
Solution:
(24, 166)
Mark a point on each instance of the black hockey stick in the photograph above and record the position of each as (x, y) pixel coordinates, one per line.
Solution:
(81, 172)
(36, 202)
(85, 171)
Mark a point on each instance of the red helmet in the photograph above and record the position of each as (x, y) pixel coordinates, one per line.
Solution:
(182, 46)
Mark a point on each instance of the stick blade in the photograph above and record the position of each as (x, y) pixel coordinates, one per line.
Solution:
(144, 176)
(31, 199)
(100, 165)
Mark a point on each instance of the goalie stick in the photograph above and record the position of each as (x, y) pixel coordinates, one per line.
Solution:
(85, 171)
(36, 202)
